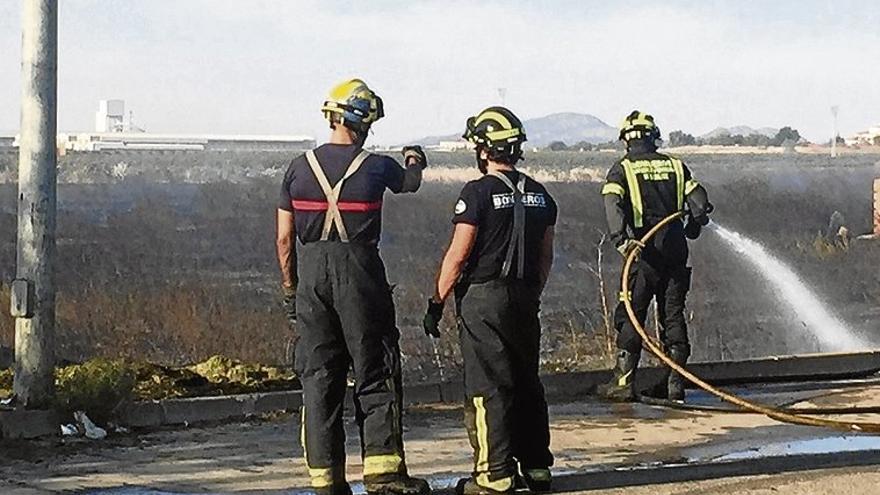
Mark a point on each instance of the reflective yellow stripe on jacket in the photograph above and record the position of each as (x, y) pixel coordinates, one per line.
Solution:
(635, 193)
(653, 170)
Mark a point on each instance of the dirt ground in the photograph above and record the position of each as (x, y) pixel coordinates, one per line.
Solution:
(264, 456)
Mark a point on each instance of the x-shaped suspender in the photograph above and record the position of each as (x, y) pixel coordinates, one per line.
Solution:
(517, 244)
(333, 217)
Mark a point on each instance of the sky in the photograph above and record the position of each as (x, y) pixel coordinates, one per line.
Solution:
(265, 66)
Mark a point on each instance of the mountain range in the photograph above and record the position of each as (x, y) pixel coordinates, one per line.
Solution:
(568, 127)
(572, 128)
(742, 130)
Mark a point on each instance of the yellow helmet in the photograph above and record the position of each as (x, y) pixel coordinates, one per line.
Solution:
(355, 103)
(638, 125)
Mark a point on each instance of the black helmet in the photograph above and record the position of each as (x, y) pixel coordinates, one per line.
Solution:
(638, 125)
(499, 132)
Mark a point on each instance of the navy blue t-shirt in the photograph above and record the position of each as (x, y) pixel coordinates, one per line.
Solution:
(360, 199)
(487, 203)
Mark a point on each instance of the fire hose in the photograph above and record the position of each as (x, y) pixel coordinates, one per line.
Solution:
(785, 415)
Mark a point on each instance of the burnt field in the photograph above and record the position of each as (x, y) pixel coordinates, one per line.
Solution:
(169, 257)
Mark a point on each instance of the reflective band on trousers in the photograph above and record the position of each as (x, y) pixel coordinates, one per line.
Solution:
(499, 485)
(650, 168)
(517, 243)
(320, 477)
(333, 217)
(382, 464)
(482, 436)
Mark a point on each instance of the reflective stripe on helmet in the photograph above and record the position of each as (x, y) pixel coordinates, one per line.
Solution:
(502, 135)
(497, 117)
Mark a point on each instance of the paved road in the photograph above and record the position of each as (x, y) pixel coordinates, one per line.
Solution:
(588, 437)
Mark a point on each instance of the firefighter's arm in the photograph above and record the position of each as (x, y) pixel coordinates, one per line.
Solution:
(415, 161)
(614, 194)
(463, 238)
(285, 247)
(615, 216)
(545, 257)
(699, 205)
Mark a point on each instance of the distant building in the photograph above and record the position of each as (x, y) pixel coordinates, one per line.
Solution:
(110, 116)
(456, 145)
(181, 142)
(869, 137)
(114, 132)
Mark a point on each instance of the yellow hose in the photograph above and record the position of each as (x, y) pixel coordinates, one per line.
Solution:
(776, 414)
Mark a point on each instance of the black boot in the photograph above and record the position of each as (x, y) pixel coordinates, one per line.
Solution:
(469, 486)
(395, 484)
(621, 387)
(536, 480)
(675, 382)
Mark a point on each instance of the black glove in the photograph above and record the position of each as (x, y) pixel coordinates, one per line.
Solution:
(692, 229)
(432, 318)
(288, 300)
(626, 246)
(695, 223)
(414, 155)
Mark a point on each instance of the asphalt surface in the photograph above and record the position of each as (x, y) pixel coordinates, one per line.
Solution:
(600, 448)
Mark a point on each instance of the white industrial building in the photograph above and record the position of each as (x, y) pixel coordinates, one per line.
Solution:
(114, 132)
(110, 116)
(144, 141)
(869, 137)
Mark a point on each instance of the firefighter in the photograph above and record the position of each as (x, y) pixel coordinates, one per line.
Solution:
(497, 264)
(336, 290)
(641, 189)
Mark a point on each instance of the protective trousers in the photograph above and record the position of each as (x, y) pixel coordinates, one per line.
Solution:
(346, 319)
(505, 410)
(670, 285)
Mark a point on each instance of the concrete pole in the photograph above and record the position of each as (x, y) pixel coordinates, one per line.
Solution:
(834, 111)
(34, 290)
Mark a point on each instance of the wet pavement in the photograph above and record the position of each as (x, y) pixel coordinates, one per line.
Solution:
(597, 446)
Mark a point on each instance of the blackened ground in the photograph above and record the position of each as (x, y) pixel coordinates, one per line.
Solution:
(172, 258)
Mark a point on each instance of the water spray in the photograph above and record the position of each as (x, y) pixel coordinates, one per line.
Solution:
(827, 327)
(785, 416)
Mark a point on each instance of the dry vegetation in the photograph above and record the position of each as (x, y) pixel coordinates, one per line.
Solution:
(172, 260)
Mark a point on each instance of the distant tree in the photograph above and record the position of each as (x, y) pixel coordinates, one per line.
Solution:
(583, 146)
(786, 137)
(876, 140)
(840, 140)
(724, 139)
(610, 145)
(679, 138)
(756, 140)
(557, 146)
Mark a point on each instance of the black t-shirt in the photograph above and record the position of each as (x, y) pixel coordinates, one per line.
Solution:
(487, 203)
(360, 199)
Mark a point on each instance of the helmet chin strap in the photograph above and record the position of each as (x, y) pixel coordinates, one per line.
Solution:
(482, 163)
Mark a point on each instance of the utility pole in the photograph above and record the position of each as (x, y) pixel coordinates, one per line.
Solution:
(33, 301)
(834, 111)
